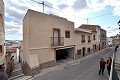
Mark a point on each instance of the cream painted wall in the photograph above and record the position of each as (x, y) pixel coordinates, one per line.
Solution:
(78, 44)
(34, 61)
(25, 53)
(37, 33)
(40, 33)
(42, 30)
(44, 55)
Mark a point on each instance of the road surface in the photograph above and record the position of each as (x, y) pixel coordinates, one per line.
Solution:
(85, 69)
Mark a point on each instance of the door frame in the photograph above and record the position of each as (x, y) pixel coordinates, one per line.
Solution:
(59, 35)
(83, 51)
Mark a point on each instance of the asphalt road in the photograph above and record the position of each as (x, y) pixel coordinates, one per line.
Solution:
(86, 69)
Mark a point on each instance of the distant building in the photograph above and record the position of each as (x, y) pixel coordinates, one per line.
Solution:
(103, 38)
(99, 36)
(116, 40)
(2, 34)
(48, 38)
(12, 47)
(110, 41)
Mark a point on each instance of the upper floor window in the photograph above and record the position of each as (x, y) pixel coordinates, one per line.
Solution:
(89, 39)
(1, 20)
(93, 37)
(67, 34)
(82, 38)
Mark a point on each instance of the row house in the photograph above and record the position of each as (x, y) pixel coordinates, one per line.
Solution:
(103, 39)
(2, 34)
(110, 41)
(116, 39)
(48, 38)
(98, 35)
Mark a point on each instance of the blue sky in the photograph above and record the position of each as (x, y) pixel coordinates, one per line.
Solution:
(105, 13)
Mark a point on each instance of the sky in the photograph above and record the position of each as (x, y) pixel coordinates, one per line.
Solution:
(105, 13)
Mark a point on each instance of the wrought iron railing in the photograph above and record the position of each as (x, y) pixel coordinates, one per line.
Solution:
(57, 41)
(82, 41)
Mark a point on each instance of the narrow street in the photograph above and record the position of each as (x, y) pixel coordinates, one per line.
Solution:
(85, 69)
(17, 73)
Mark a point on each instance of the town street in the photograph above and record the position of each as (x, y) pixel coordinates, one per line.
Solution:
(85, 69)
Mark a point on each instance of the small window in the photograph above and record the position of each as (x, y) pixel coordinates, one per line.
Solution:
(79, 52)
(67, 34)
(82, 38)
(95, 46)
(93, 37)
(89, 39)
(88, 50)
(0, 48)
(1, 20)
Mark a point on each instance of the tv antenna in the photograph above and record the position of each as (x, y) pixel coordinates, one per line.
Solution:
(43, 4)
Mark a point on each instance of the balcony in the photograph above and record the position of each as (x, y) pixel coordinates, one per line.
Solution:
(57, 41)
(89, 41)
(82, 41)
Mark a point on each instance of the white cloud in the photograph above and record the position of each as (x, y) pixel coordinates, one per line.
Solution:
(74, 10)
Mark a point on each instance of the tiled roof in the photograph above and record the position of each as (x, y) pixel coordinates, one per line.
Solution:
(90, 27)
(13, 50)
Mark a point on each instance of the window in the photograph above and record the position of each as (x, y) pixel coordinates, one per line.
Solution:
(67, 34)
(0, 48)
(1, 20)
(89, 39)
(93, 37)
(79, 52)
(82, 38)
(88, 50)
(95, 46)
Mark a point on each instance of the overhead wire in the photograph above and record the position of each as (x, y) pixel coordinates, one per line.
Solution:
(57, 9)
(72, 15)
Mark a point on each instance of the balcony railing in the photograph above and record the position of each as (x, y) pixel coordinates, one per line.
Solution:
(82, 41)
(57, 41)
(89, 41)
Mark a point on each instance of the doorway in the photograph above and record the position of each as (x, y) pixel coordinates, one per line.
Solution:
(83, 50)
(56, 36)
(65, 53)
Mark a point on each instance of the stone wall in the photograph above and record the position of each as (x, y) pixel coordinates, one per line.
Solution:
(47, 64)
(31, 72)
(28, 71)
